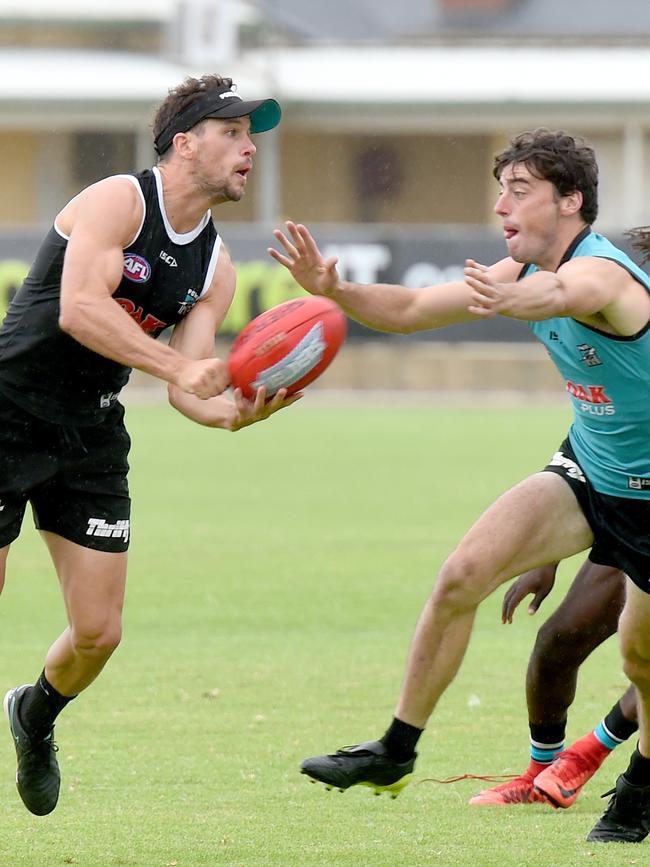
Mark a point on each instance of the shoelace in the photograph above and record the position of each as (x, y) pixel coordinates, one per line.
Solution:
(486, 778)
(45, 742)
(607, 794)
(346, 751)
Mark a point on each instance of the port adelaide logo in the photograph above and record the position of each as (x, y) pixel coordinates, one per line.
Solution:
(188, 302)
(136, 268)
(588, 355)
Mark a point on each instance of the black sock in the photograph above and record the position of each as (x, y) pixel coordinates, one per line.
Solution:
(40, 706)
(400, 740)
(547, 734)
(619, 726)
(546, 741)
(638, 771)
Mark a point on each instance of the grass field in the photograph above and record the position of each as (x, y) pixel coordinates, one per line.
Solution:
(275, 579)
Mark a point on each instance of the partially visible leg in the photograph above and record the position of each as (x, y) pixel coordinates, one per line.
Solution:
(628, 705)
(587, 616)
(93, 584)
(620, 723)
(634, 632)
(562, 781)
(4, 553)
(627, 817)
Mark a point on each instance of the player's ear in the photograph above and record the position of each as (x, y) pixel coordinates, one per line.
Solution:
(571, 204)
(183, 144)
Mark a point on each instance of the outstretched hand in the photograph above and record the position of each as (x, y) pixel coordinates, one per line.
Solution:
(538, 582)
(305, 261)
(488, 296)
(251, 411)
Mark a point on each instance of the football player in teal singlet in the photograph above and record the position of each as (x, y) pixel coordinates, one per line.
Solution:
(590, 305)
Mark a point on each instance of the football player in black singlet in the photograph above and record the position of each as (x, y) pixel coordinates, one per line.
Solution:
(126, 258)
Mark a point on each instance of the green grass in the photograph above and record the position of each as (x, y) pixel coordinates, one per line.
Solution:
(275, 579)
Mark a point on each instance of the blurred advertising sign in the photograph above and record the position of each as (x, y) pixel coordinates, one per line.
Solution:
(401, 254)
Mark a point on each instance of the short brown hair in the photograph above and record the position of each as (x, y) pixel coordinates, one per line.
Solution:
(564, 160)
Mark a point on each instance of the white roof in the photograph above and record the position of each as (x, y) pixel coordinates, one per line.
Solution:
(45, 89)
(83, 75)
(446, 74)
(113, 10)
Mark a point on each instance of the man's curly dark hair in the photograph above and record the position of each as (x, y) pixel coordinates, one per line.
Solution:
(564, 160)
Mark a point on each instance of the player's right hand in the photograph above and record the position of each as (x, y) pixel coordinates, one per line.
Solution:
(305, 261)
(251, 411)
(205, 377)
(538, 582)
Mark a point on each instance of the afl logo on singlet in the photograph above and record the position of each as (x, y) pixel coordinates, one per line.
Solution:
(136, 268)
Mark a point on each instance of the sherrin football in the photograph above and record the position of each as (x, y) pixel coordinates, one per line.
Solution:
(288, 346)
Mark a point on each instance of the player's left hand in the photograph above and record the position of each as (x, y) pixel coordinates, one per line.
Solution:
(251, 411)
(488, 296)
(538, 582)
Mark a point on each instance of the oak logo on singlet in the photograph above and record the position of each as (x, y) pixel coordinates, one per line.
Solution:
(136, 268)
(149, 323)
(593, 399)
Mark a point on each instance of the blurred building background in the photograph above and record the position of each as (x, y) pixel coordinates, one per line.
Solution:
(392, 115)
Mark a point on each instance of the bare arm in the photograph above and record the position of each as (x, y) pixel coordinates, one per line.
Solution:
(382, 306)
(100, 222)
(193, 337)
(596, 291)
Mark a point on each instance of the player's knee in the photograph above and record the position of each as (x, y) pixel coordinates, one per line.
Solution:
(554, 644)
(572, 637)
(97, 640)
(637, 670)
(460, 583)
(636, 662)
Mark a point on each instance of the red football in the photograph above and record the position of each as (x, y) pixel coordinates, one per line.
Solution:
(287, 346)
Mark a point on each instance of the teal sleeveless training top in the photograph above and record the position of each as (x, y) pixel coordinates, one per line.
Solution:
(608, 381)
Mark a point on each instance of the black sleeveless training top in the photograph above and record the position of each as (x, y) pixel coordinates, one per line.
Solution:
(51, 375)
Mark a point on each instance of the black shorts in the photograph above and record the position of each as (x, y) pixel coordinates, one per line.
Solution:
(621, 525)
(74, 477)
